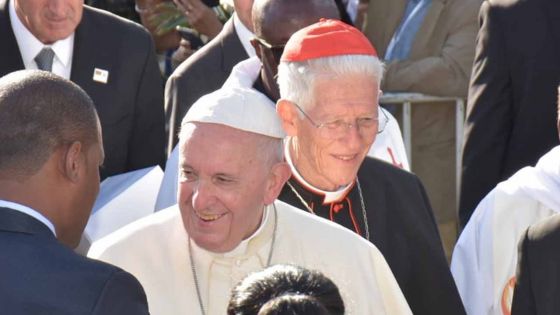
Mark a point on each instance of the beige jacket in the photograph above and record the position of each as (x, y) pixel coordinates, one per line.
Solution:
(442, 53)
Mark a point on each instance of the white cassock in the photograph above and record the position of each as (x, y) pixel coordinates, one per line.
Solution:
(485, 257)
(155, 250)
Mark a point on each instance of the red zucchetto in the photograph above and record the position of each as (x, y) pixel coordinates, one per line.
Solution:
(326, 38)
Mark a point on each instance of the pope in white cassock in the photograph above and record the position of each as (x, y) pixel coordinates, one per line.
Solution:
(228, 222)
(485, 257)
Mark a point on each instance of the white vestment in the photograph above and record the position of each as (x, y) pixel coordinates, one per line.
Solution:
(485, 257)
(155, 250)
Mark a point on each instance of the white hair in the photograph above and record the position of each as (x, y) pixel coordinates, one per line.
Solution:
(297, 79)
(270, 150)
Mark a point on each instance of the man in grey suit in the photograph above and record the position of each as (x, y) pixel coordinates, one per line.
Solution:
(111, 58)
(207, 69)
(49, 178)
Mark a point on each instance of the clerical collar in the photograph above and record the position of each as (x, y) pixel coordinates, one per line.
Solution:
(242, 247)
(30, 46)
(330, 196)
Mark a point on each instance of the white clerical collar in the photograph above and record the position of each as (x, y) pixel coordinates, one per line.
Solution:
(245, 35)
(30, 46)
(28, 211)
(241, 249)
(330, 196)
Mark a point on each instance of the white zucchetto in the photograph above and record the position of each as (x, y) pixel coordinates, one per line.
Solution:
(237, 107)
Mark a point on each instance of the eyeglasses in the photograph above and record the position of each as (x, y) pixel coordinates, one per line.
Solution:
(366, 126)
(276, 50)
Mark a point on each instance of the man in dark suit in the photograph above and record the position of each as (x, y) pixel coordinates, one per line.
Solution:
(49, 178)
(207, 69)
(511, 115)
(329, 109)
(538, 270)
(112, 59)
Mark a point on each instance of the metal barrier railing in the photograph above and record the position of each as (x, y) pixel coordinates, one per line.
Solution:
(406, 100)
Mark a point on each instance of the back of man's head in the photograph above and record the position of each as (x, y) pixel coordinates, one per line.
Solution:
(40, 111)
(51, 149)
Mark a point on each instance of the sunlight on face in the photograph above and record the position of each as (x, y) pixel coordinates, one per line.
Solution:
(50, 20)
(222, 185)
(331, 163)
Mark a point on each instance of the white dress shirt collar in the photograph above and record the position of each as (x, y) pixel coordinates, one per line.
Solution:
(30, 46)
(245, 35)
(28, 211)
(330, 196)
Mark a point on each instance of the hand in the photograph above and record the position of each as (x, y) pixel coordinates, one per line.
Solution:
(200, 17)
(182, 53)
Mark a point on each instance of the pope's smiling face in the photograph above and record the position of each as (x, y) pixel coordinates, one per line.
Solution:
(223, 184)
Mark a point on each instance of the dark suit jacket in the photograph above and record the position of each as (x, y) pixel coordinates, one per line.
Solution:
(39, 275)
(202, 73)
(402, 226)
(511, 115)
(538, 270)
(130, 105)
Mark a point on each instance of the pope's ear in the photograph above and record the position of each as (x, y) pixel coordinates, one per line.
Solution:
(278, 176)
(288, 115)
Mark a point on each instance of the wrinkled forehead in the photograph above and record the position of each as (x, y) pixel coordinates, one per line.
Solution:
(207, 140)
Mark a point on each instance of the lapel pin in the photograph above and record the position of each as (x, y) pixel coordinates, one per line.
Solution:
(100, 75)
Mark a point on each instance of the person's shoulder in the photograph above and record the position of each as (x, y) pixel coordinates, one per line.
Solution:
(541, 241)
(378, 171)
(546, 232)
(140, 233)
(201, 62)
(91, 272)
(507, 5)
(108, 24)
(315, 228)
(209, 57)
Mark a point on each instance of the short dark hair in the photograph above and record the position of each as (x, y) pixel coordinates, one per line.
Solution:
(39, 112)
(286, 289)
(294, 304)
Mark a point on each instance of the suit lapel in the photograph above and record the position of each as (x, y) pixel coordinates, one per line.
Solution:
(428, 27)
(87, 56)
(10, 57)
(382, 25)
(18, 222)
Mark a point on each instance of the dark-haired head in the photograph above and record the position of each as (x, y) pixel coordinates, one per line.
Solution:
(40, 111)
(286, 289)
(294, 304)
(51, 149)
